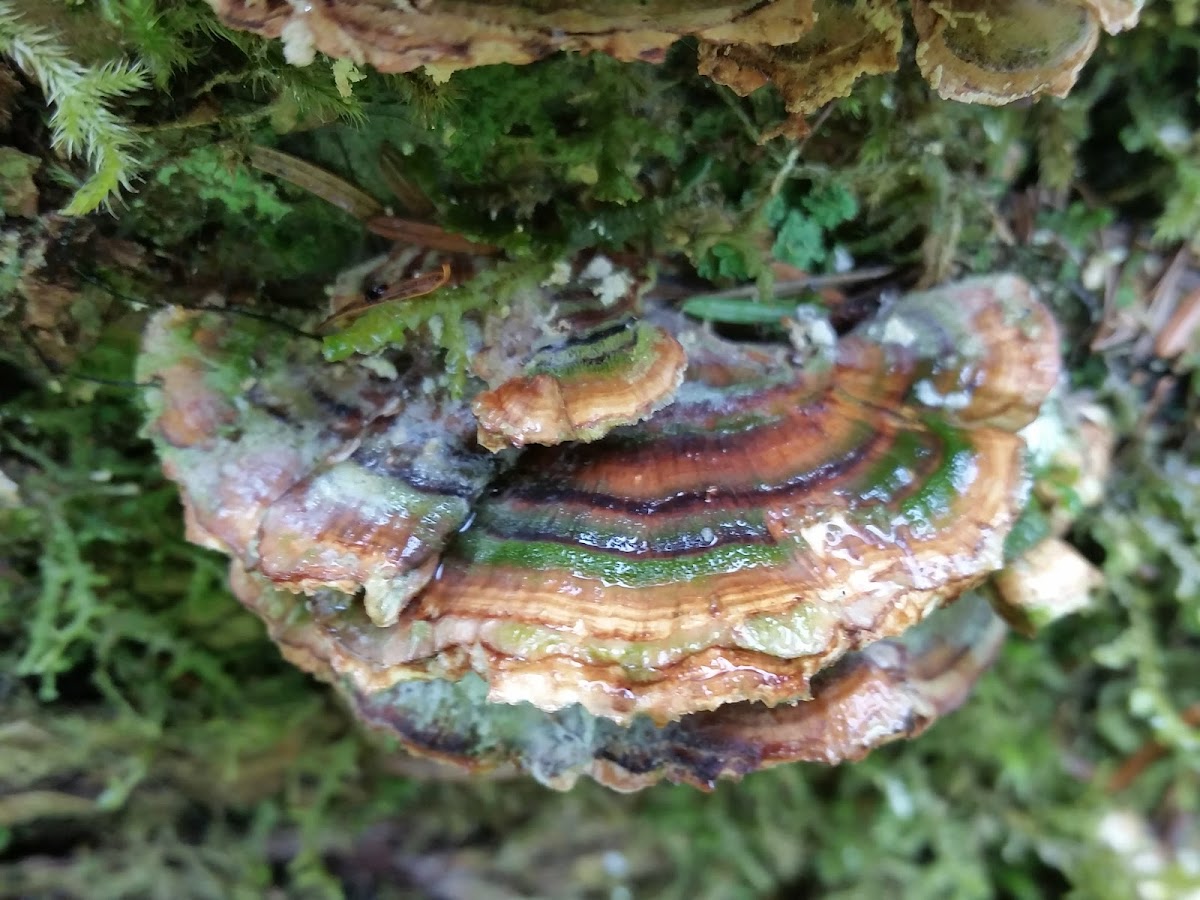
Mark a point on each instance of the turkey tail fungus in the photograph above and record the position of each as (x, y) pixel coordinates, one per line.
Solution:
(758, 564)
(813, 51)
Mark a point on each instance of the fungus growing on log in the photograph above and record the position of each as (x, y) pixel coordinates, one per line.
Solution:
(315, 474)
(448, 35)
(813, 51)
(848, 41)
(713, 571)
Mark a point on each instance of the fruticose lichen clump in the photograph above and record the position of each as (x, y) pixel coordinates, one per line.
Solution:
(773, 559)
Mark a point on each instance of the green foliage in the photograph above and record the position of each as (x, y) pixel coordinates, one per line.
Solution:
(1151, 531)
(925, 189)
(217, 175)
(18, 192)
(595, 138)
(1156, 118)
(81, 100)
(86, 77)
(168, 662)
(801, 230)
(442, 316)
(725, 261)
(86, 604)
(209, 207)
(167, 37)
(1180, 220)
(741, 312)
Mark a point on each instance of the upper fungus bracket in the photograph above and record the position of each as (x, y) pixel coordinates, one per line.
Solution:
(998, 51)
(447, 36)
(995, 53)
(848, 41)
(813, 51)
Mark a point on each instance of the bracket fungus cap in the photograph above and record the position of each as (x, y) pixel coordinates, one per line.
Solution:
(770, 520)
(592, 366)
(848, 41)
(314, 474)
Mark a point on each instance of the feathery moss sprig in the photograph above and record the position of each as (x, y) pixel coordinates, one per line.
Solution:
(82, 121)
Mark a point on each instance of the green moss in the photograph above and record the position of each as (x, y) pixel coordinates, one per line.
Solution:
(441, 316)
(1030, 529)
(82, 99)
